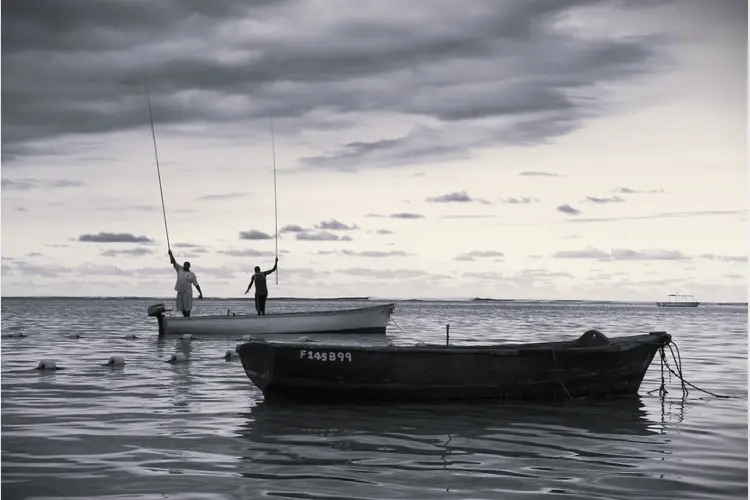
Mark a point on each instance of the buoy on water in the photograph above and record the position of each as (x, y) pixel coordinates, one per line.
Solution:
(187, 337)
(115, 361)
(130, 336)
(304, 338)
(248, 338)
(47, 364)
(178, 357)
(230, 355)
(75, 336)
(15, 335)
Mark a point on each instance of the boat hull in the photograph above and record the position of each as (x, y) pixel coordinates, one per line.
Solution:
(365, 320)
(304, 371)
(678, 304)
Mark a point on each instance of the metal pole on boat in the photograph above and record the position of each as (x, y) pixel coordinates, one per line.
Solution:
(156, 156)
(275, 204)
(447, 334)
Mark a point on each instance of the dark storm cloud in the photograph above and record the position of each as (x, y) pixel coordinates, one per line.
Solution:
(28, 184)
(455, 197)
(322, 236)
(254, 235)
(567, 209)
(131, 252)
(611, 199)
(114, 238)
(335, 225)
(447, 65)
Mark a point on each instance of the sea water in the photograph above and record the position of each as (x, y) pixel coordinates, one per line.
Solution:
(200, 429)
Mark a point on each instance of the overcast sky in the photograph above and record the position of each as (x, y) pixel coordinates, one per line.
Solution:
(529, 149)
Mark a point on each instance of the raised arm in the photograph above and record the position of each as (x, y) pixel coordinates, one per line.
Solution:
(252, 280)
(275, 264)
(171, 259)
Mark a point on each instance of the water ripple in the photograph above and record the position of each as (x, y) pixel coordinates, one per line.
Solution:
(153, 430)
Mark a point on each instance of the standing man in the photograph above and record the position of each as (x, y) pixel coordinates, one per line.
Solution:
(261, 290)
(184, 286)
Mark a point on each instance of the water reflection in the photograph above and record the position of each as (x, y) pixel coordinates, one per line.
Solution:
(558, 442)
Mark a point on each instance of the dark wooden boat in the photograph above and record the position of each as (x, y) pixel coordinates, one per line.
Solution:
(590, 366)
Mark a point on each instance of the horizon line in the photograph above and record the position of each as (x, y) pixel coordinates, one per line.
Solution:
(359, 299)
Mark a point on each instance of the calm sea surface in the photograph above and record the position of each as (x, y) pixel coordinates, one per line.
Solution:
(155, 430)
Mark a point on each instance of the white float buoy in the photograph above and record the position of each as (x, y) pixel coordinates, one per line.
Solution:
(420, 344)
(230, 355)
(47, 364)
(390, 343)
(115, 361)
(304, 338)
(177, 357)
(187, 337)
(130, 336)
(248, 338)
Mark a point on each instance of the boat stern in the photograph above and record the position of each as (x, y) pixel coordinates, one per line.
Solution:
(157, 311)
(256, 357)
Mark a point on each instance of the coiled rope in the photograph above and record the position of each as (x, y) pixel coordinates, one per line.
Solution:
(678, 373)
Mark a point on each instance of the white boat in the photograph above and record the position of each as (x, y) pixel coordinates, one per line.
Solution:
(677, 300)
(363, 320)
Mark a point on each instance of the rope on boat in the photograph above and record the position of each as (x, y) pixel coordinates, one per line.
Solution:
(396, 324)
(678, 373)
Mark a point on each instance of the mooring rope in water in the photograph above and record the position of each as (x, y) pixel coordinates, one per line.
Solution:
(678, 365)
(396, 324)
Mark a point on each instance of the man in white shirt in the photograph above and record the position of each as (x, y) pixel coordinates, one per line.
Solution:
(184, 286)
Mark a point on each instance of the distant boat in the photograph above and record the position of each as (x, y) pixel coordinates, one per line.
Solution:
(677, 300)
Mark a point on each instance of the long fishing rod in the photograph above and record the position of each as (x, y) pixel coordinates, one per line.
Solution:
(156, 156)
(275, 204)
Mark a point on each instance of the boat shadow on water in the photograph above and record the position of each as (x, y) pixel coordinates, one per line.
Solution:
(622, 415)
(617, 430)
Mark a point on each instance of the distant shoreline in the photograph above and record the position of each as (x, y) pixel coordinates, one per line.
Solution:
(479, 300)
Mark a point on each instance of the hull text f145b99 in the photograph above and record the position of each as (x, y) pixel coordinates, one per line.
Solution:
(592, 365)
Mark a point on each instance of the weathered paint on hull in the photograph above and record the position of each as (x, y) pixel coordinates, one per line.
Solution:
(529, 371)
(366, 320)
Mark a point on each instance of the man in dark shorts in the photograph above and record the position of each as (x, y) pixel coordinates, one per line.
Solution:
(261, 290)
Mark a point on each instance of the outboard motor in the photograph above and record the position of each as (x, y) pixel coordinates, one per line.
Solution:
(157, 311)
